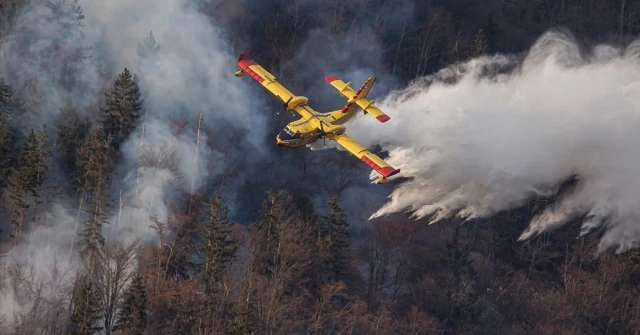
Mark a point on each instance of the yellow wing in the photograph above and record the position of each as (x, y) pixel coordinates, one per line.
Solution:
(359, 97)
(372, 160)
(256, 71)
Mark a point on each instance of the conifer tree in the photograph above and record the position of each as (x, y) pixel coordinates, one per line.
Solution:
(42, 162)
(94, 173)
(71, 130)
(9, 12)
(19, 184)
(28, 175)
(7, 155)
(68, 43)
(124, 107)
(306, 210)
(86, 309)
(333, 241)
(147, 50)
(460, 264)
(275, 209)
(216, 248)
(69, 15)
(457, 50)
(148, 47)
(12, 107)
(8, 137)
(6, 93)
(41, 166)
(481, 44)
(243, 321)
(132, 316)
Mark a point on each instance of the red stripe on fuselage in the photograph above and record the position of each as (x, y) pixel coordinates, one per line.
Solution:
(346, 107)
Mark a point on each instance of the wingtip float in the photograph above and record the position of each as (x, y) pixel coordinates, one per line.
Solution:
(313, 125)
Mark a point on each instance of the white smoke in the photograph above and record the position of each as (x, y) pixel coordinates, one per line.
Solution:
(490, 143)
(48, 63)
(36, 277)
(191, 73)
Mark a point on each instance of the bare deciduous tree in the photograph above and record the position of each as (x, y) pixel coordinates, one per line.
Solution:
(114, 269)
(34, 298)
(161, 156)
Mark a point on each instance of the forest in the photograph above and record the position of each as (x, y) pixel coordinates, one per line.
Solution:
(142, 191)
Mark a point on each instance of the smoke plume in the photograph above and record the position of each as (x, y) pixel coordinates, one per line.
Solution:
(188, 71)
(492, 133)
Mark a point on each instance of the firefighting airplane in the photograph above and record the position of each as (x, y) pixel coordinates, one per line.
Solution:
(313, 125)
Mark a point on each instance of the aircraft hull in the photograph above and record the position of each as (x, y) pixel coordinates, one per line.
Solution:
(298, 142)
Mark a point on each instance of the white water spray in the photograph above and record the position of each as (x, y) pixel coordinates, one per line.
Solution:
(486, 144)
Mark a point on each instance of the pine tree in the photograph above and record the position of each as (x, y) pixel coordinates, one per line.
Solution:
(275, 209)
(147, 52)
(148, 47)
(10, 106)
(68, 14)
(92, 241)
(6, 93)
(8, 136)
(86, 309)
(243, 322)
(132, 316)
(305, 208)
(124, 107)
(28, 176)
(459, 263)
(457, 50)
(94, 160)
(333, 242)
(67, 42)
(42, 166)
(8, 140)
(71, 130)
(217, 247)
(42, 157)
(9, 12)
(94, 173)
(481, 44)
(19, 183)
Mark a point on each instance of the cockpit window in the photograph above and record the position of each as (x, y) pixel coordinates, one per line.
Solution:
(287, 134)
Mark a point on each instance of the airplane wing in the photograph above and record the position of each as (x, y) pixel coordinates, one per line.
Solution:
(256, 71)
(358, 97)
(372, 160)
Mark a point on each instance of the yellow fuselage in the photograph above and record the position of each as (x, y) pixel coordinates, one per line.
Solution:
(312, 127)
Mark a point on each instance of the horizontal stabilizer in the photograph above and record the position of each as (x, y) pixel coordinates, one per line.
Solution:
(359, 98)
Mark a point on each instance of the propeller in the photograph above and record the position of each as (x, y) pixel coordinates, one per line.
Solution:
(324, 139)
(285, 105)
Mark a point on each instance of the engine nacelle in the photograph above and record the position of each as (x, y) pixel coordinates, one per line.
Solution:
(296, 101)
